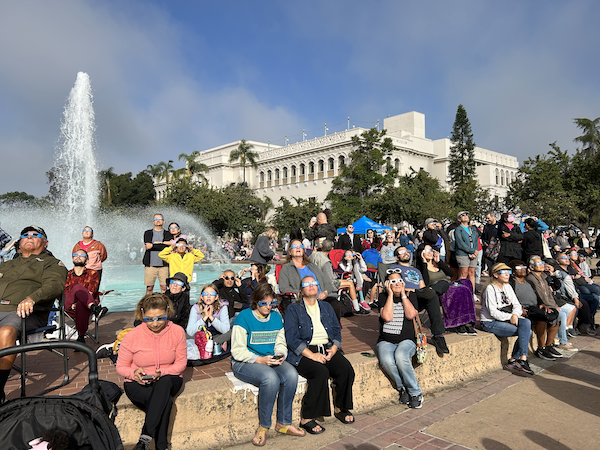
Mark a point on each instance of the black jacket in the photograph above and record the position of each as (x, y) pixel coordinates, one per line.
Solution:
(155, 247)
(510, 247)
(345, 244)
(233, 294)
(325, 230)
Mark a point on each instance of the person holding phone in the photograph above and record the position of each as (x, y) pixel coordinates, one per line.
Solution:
(152, 358)
(314, 336)
(397, 340)
(258, 351)
(181, 257)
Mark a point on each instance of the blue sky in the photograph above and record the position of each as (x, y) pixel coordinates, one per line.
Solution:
(177, 76)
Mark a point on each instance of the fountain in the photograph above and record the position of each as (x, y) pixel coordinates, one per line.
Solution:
(76, 175)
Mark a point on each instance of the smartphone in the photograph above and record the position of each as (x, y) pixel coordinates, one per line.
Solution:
(277, 356)
(147, 377)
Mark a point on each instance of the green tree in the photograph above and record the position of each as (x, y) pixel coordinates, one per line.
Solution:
(192, 166)
(288, 215)
(367, 173)
(19, 200)
(417, 197)
(154, 170)
(462, 150)
(590, 137)
(245, 155)
(128, 191)
(165, 170)
(107, 175)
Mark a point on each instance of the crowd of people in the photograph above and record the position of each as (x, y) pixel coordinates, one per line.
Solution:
(539, 283)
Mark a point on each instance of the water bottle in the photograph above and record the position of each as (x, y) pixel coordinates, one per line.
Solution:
(209, 348)
(217, 350)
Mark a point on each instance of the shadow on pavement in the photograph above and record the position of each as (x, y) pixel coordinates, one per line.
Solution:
(575, 395)
(545, 441)
(492, 444)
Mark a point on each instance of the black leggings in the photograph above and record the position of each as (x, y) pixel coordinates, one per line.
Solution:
(156, 400)
(316, 400)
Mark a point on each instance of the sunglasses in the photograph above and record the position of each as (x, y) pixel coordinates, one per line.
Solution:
(209, 294)
(397, 281)
(173, 228)
(154, 319)
(180, 245)
(400, 252)
(310, 283)
(156, 219)
(427, 251)
(520, 267)
(177, 282)
(505, 272)
(297, 246)
(265, 303)
(563, 257)
(33, 235)
(87, 230)
(79, 255)
(229, 278)
(539, 263)
(391, 271)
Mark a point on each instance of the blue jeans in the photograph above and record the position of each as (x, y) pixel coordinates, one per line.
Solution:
(562, 326)
(396, 362)
(270, 380)
(506, 329)
(591, 294)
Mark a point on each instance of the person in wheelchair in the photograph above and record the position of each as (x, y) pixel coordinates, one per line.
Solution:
(81, 294)
(35, 278)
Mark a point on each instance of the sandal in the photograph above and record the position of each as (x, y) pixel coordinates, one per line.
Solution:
(262, 438)
(294, 431)
(310, 427)
(341, 416)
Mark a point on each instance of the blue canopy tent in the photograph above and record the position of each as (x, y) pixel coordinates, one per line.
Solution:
(363, 224)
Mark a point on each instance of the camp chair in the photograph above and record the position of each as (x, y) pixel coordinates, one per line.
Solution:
(37, 335)
(93, 337)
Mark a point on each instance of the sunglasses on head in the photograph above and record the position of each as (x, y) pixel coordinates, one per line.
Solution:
(265, 303)
(177, 282)
(31, 234)
(154, 319)
(391, 271)
(310, 283)
(209, 294)
(397, 281)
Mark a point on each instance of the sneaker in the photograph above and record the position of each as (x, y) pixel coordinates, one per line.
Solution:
(462, 331)
(416, 401)
(587, 329)
(364, 305)
(439, 343)
(571, 332)
(523, 366)
(513, 365)
(554, 352)
(542, 353)
(361, 311)
(568, 346)
(470, 330)
(98, 311)
(404, 397)
(475, 298)
(143, 443)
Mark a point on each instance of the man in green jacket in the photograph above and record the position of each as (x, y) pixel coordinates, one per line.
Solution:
(33, 279)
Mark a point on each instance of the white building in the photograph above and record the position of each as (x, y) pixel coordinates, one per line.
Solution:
(306, 169)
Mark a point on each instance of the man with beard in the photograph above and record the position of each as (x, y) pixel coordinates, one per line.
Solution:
(81, 294)
(427, 298)
(34, 278)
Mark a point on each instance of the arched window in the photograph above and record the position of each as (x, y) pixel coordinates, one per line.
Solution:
(321, 165)
(388, 162)
(497, 177)
(397, 164)
(331, 162)
(269, 175)
(341, 161)
(262, 177)
(294, 171)
(285, 172)
(502, 177)
(311, 167)
(302, 170)
(277, 174)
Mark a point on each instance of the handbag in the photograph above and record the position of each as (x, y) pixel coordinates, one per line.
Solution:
(421, 340)
(493, 249)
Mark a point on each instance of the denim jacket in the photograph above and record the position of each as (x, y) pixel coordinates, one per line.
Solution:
(299, 328)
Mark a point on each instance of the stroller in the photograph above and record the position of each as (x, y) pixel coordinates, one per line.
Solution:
(80, 421)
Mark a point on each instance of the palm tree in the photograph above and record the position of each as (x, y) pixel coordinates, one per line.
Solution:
(245, 155)
(153, 170)
(590, 137)
(107, 175)
(165, 170)
(193, 167)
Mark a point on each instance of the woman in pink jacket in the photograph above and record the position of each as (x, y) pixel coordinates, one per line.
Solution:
(152, 358)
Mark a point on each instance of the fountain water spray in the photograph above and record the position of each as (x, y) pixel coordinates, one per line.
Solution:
(75, 164)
